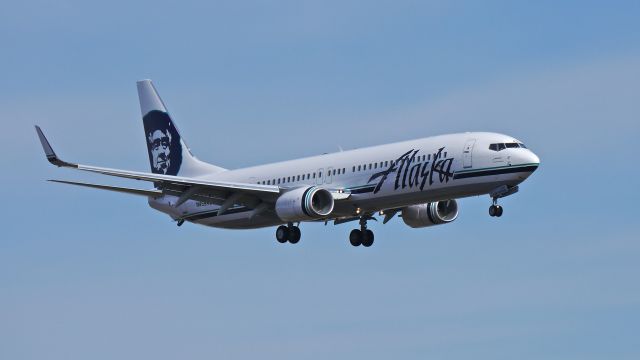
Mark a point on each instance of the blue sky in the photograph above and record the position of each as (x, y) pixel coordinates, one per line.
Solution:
(85, 273)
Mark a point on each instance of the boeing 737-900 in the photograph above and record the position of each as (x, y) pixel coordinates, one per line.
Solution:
(419, 180)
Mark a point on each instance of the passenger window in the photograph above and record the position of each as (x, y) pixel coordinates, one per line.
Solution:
(334, 172)
(354, 169)
(314, 175)
(386, 163)
(308, 176)
(358, 167)
(298, 177)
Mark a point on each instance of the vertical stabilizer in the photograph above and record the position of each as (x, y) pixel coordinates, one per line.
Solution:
(168, 152)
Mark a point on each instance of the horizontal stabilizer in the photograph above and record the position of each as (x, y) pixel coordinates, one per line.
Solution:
(125, 190)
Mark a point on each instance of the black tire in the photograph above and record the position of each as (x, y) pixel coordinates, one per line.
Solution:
(355, 237)
(499, 211)
(367, 238)
(294, 235)
(282, 234)
(493, 210)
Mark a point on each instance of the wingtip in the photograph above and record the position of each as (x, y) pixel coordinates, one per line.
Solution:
(48, 150)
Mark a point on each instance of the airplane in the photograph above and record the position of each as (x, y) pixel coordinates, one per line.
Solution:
(418, 180)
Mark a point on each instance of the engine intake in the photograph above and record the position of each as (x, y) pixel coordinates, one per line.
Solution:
(304, 203)
(430, 214)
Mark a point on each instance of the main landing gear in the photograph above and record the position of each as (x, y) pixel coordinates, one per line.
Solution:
(495, 210)
(362, 236)
(288, 233)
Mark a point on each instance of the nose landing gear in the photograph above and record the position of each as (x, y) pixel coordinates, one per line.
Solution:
(502, 191)
(495, 210)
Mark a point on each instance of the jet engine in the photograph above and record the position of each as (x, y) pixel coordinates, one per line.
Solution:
(430, 214)
(304, 204)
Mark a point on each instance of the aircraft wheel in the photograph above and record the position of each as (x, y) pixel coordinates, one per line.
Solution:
(282, 234)
(499, 210)
(367, 238)
(294, 234)
(493, 210)
(355, 237)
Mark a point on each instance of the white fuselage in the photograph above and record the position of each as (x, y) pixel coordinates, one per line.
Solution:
(377, 178)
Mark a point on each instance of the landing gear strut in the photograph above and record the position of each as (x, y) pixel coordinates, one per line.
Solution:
(290, 233)
(495, 210)
(362, 236)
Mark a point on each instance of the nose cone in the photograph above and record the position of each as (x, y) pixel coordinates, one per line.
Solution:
(529, 163)
(532, 158)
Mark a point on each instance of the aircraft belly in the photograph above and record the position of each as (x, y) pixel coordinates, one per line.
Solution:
(239, 221)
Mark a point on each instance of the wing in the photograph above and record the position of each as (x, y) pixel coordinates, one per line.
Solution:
(112, 188)
(218, 192)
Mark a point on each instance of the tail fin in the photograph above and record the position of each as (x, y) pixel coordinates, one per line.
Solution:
(168, 152)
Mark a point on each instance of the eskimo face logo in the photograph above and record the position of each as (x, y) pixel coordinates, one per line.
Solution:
(160, 142)
(163, 143)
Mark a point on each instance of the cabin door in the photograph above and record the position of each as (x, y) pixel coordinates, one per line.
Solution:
(467, 153)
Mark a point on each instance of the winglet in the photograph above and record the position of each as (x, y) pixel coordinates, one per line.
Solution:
(48, 151)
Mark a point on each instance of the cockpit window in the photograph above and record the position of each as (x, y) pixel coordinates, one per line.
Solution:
(502, 146)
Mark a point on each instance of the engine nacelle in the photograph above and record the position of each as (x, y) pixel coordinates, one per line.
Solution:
(304, 204)
(430, 214)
